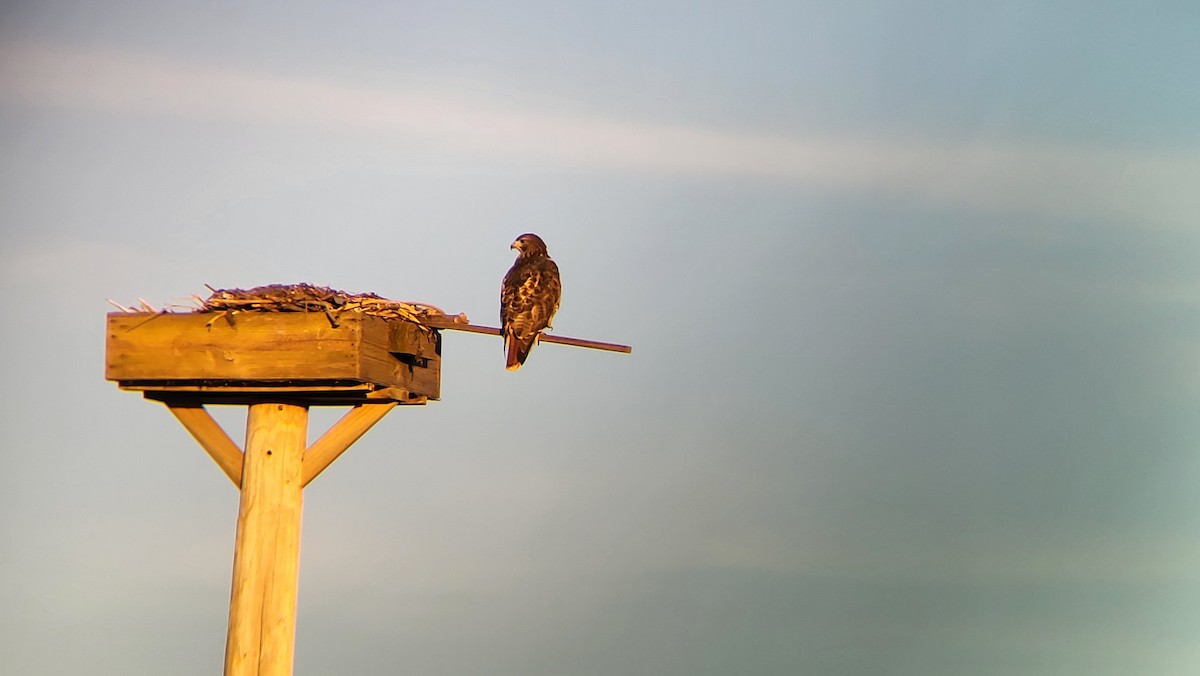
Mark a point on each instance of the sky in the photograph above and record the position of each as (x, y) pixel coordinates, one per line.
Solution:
(912, 290)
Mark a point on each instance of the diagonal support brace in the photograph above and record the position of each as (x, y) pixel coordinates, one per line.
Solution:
(200, 423)
(339, 437)
(229, 457)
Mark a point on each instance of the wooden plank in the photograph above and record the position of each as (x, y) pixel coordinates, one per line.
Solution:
(257, 346)
(284, 350)
(340, 436)
(420, 352)
(213, 439)
(251, 386)
(402, 351)
(546, 337)
(262, 606)
(303, 397)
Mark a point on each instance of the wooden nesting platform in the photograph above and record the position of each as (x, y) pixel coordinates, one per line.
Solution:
(309, 358)
(280, 349)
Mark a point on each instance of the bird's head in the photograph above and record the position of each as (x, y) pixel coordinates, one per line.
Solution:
(529, 244)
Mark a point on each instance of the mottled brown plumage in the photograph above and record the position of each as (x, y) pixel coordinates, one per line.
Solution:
(529, 298)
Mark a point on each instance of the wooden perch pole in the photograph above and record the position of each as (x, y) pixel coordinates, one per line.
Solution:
(450, 323)
(262, 605)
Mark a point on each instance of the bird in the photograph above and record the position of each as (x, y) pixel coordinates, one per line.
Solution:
(529, 297)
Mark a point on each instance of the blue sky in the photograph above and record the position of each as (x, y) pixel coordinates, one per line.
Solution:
(911, 286)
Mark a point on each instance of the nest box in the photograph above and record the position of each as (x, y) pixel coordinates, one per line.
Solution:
(310, 357)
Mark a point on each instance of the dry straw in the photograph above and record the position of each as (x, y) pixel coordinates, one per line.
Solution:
(226, 303)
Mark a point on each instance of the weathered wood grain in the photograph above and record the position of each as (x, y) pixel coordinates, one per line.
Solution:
(204, 352)
(262, 606)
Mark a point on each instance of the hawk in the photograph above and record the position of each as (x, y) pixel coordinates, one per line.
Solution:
(528, 298)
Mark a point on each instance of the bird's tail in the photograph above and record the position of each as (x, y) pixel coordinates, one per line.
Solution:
(516, 352)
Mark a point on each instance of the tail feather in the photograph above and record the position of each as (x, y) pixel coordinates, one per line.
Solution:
(516, 352)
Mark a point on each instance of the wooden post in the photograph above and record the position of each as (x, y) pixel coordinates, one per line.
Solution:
(262, 605)
(191, 360)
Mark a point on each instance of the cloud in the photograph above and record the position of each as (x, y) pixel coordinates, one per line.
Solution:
(1060, 179)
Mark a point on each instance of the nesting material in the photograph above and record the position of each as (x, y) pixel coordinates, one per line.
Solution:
(310, 298)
